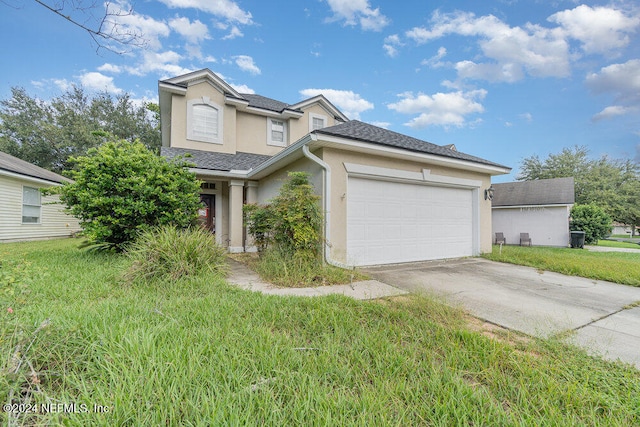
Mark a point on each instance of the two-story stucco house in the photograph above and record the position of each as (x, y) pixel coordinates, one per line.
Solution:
(386, 197)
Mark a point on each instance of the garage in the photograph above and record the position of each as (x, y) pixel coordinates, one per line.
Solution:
(393, 222)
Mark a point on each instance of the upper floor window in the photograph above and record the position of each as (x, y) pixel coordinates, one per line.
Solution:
(31, 205)
(317, 121)
(204, 120)
(276, 132)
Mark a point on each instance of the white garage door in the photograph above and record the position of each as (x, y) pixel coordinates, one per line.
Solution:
(391, 222)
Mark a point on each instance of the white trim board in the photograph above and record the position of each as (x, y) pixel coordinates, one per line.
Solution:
(388, 174)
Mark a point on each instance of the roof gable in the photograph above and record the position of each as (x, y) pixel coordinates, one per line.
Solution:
(205, 74)
(555, 191)
(325, 103)
(18, 166)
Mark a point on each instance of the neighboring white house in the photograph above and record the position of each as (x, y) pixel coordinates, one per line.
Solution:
(621, 229)
(25, 214)
(540, 208)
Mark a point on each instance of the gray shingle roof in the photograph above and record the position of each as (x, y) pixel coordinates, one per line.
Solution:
(556, 191)
(360, 131)
(216, 161)
(265, 103)
(19, 166)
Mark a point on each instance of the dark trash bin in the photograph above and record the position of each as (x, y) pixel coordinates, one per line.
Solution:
(577, 239)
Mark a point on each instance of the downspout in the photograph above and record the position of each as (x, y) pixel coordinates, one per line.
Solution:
(326, 200)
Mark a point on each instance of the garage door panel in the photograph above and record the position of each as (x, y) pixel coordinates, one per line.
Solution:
(390, 222)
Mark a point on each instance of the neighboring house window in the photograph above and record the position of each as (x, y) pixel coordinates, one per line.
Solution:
(31, 205)
(204, 121)
(276, 132)
(317, 121)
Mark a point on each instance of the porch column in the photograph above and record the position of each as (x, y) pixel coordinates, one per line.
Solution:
(252, 197)
(236, 231)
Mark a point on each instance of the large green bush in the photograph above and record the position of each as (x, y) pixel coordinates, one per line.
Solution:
(122, 189)
(292, 222)
(168, 253)
(591, 219)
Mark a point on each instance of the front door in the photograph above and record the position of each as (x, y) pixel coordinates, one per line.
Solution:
(207, 212)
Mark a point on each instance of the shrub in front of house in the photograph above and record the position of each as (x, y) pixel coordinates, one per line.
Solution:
(292, 222)
(122, 189)
(170, 253)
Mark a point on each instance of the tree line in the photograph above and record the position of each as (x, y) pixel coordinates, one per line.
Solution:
(48, 133)
(613, 185)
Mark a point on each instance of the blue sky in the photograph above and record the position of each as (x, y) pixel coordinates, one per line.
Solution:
(502, 80)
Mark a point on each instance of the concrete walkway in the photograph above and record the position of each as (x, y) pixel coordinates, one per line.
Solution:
(240, 275)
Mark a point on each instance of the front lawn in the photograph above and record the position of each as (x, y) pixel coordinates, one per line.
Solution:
(198, 351)
(616, 244)
(617, 267)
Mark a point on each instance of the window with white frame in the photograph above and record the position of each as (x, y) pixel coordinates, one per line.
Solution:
(317, 121)
(276, 132)
(204, 121)
(31, 205)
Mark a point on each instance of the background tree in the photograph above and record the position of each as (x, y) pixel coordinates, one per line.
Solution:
(48, 133)
(591, 219)
(613, 185)
(122, 189)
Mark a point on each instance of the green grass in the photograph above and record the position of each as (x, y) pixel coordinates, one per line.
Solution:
(618, 267)
(197, 351)
(286, 270)
(616, 244)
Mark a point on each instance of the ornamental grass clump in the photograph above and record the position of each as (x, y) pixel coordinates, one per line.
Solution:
(170, 253)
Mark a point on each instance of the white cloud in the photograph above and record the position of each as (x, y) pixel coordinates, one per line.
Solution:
(512, 51)
(225, 9)
(527, 117)
(350, 103)
(613, 111)
(440, 109)
(110, 68)
(622, 79)
(234, 33)
(623, 82)
(122, 21)
(99, 82)
(391, 45)
(194, 32)
(355, 12)
(434, 61)
(246, 63)
(599, 29)
(384, 125)
(164, 64)
(242, 88)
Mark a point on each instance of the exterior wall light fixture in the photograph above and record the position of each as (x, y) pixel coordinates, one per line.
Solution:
(488, 193)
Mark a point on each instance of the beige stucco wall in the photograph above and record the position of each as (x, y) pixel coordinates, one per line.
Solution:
(270, 187)
(336, 159)
(252, 135)
(53, 221)
(300, 127)
(179, 120)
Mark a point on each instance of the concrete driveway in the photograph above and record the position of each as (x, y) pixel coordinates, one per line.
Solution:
(604, 316)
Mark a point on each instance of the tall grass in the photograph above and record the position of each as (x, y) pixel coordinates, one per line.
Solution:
(290, 269)
(617, 267)
(170, 253)
(212, 354)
